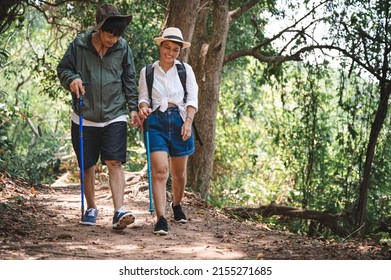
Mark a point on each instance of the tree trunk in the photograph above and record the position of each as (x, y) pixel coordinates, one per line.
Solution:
(206, 55)
(381, 114)
(182, 14)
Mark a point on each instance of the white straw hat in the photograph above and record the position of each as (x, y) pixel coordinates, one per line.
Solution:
(172, 34)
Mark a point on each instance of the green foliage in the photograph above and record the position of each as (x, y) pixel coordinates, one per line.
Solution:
(249, 30)
(146, 25)
(363, 27)
(299, 139)
(29, 140)
(7, 113)
(136, 156)
(243, 144)
(35, 157)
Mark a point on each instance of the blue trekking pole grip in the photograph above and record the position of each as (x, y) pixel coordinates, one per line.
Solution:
(81, 144)
(146, 136)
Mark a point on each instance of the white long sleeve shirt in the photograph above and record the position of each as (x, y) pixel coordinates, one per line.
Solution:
(167, 88)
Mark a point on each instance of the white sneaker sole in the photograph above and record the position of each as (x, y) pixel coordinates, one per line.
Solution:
(160, 232)
(88, 223)
(124, 222)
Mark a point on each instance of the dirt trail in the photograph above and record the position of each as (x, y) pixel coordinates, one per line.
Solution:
(46, 226)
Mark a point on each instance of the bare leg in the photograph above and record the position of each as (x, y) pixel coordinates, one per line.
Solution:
(179, 178)
(159, 164)
(89, 187)
(117, 182)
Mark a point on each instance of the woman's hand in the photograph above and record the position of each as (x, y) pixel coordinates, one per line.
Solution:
(186, 129)
(144, 112)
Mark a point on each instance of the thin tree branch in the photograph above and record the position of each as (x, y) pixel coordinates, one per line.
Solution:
(235, 14)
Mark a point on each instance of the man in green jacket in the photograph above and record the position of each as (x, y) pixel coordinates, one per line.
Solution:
(99, 65)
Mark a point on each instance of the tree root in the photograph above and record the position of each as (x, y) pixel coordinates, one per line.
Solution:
(328, 219)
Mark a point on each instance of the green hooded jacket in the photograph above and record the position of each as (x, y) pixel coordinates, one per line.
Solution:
(110, 81)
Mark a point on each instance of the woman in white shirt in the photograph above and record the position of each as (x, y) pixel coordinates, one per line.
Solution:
(170, 115)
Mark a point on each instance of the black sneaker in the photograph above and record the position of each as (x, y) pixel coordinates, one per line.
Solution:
(179, 216)
(161, 226)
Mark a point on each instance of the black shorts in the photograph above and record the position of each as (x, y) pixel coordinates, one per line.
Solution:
(108, 142)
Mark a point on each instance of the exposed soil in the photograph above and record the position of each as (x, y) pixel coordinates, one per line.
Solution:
(42, 222)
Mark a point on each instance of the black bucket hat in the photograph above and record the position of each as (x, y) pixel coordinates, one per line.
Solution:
(106, 11)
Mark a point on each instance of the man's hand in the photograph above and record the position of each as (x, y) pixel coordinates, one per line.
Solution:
(77, 87)
(135, 119)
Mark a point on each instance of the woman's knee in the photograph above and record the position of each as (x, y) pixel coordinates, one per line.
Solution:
(160, 172)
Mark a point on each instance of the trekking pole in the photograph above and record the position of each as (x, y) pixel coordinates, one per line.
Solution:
(146, 137)
(81, 144)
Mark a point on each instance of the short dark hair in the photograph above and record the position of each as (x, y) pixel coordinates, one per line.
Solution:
(115, 26)
(180, 44)
(175, 42)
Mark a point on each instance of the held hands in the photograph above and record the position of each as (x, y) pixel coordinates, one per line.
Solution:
(77, 88)
(135, 120)
(143, 114)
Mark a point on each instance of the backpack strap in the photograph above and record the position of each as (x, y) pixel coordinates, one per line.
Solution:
(149, 78)
(182, 76)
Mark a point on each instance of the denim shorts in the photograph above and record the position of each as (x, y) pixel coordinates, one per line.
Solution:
(165, 133)
(108, 142)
